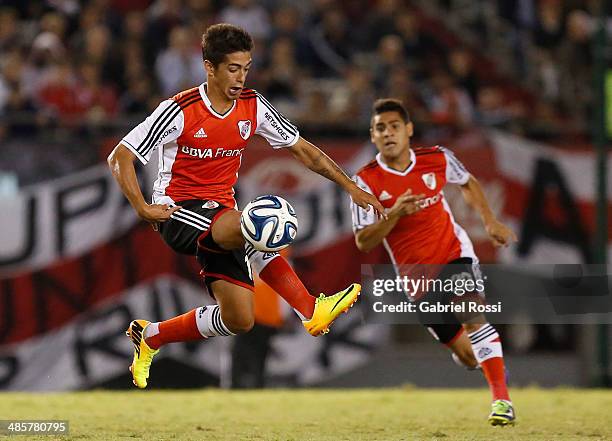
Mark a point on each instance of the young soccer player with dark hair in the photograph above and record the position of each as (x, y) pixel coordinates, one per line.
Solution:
(420, 229)
(200, 135)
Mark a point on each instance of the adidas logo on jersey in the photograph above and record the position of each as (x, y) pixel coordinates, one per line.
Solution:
(200, 134)
(384, 196)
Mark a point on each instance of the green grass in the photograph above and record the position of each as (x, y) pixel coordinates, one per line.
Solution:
(382, 414)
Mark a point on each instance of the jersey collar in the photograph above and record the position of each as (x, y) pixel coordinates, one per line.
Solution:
(209, 105)
(397, 172)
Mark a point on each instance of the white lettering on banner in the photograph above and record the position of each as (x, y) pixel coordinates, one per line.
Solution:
(62, 218)
(85, 352)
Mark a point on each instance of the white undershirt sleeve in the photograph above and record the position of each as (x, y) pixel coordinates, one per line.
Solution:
(361, 217)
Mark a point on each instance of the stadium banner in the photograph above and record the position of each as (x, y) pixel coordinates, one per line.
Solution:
(74, 244)
(61, 219)
(495, 293)
(92, 350)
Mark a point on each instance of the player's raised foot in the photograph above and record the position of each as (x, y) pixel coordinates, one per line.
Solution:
(328, 308)
(502, 413)
(143, 354)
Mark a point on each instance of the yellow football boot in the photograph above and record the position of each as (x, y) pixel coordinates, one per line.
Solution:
(328, 308)
(143, 354)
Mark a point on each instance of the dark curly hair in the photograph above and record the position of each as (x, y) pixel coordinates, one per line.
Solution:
(390, 105)
(222, 39)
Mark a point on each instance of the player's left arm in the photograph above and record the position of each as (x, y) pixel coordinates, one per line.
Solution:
(281, 133)
(316, 160)
(456, 173)
(499, 233)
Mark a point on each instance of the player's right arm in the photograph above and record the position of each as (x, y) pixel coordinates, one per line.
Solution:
(370, 230)
(121, 163)
(164, 125)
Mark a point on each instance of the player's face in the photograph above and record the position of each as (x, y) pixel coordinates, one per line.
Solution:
(230, 75)
(390, 134)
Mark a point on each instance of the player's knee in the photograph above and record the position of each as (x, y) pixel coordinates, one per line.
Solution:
(240, 324)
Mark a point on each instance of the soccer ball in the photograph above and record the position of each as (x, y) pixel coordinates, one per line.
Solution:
(269, 223)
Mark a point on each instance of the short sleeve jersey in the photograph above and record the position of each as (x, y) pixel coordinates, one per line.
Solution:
(199, 150)
(430, 236)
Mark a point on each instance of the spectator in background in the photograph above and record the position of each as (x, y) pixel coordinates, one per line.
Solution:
(401, 85)
(13, 96)
(491, 110)
(250, 16)
(95, 44)
(549, 29)
(179, 67)
(329, 45)
(390, 53)
(577, 59)
(286, 24)
(418, 47)
(96, 100)
(381, 22)
(57, 95)
(9, 32)
(281, 77)
(164, 15)
(351, 102)
(449, 104)
(461, 67)
(134, 34)
(138, 97)
(46, 50)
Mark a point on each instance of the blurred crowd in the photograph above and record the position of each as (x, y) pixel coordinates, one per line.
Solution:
(80, 65)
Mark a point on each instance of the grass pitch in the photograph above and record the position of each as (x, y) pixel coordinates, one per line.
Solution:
(382, 414)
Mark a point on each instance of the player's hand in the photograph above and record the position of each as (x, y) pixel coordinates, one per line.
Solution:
(500, 234)
(365, 199)
(157, 213)
(407, 204)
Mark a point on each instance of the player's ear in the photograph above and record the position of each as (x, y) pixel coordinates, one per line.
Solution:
(209, 68)
(372, 135)
(410, 128)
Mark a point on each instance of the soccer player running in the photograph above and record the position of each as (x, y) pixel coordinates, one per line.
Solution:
(420, 229)
(200, 135)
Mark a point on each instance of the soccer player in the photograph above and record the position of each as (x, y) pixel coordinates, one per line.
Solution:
(200, 135)
(420, 229)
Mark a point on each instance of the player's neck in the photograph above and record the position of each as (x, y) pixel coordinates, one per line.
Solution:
(400, 162)
(218, 100)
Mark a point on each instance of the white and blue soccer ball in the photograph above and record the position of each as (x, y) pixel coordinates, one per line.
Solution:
(269, 223)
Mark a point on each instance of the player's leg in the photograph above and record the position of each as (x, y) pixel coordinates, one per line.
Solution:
(278, 275)
(317, 314)
(487, 349)
(181, 233)
(232, 315)
(485, 343)
(462, 351)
